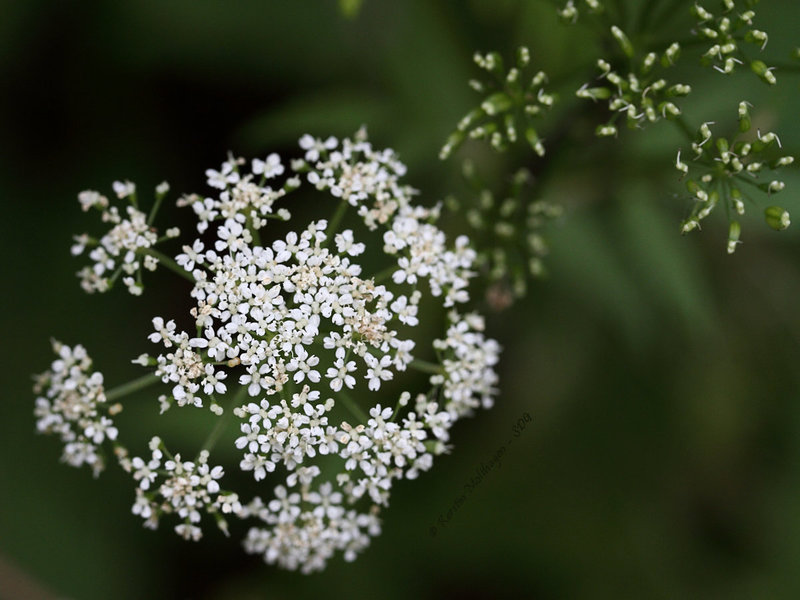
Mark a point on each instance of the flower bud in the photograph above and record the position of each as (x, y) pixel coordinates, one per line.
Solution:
(744, 117)
(534, 141)
(777, 218)
(765, 73)
(594, 93)
(679, 89)
(736, 197)
(671, 55)
(605, 130)
(497, 103)
(648, 62)
(622, 40)
(701, 13)
(756, 36)
(523, 56)
(734, 230)
(681, 166)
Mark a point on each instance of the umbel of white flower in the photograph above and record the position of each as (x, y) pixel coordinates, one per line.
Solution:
(298, 341)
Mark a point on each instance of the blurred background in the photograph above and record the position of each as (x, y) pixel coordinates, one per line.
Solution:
(663, 455)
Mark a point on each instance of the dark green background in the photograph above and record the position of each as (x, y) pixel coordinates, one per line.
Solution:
(663, 457)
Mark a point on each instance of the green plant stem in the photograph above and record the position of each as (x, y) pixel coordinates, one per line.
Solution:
(336, 219)
(254, 233)
(353, 407)
(168, 263)
(222, 420)
(154, 211)
(426, 367)
(383, 275)
(681, 124)
(132, 386)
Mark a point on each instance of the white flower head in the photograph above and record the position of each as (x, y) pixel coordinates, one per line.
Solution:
(306, 337)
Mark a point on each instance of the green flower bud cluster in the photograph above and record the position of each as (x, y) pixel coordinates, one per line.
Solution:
(725, 165)
(724, 31)
(570, 12)
(513, 98)
(507, 231)
(641, 95)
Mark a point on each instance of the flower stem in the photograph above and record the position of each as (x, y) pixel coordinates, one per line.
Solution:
(426, 367)
(353, 407)
(336, 219)
(385, 274)
(684, 127)
(154, 210)
(132, 386)
(168, 263)
(222, 420)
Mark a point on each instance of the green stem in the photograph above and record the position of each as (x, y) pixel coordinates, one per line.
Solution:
(154, 211)
(222, 420)
(670, 9)
(132, 386)
(748, 181)
(681, 124)
(254, 233)
(168, 263)
(396, 412)
(354, 408)
(336, 219)
(385, 274)
(644, 17)
(427, 367)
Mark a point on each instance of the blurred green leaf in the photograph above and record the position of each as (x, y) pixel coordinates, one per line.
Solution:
(328, 112)
(350, 8)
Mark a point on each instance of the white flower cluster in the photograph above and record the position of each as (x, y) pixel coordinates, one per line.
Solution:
(187, 489)
(299, 325)
(74, 407)
(469, 379)
(242, 195)
(122, 250)
(305, 531)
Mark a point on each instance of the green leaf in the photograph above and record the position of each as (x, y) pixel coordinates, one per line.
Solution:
(350, 8)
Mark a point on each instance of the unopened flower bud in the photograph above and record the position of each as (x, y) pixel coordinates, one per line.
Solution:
(622, 40)
(744, 116)
(734, 230)
(777, 218)
(765, 73)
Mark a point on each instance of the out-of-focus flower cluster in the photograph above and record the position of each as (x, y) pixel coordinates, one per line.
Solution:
(572, 9)
(72, 405)
(508, 230)
(641, 95)
(513, 99)
(639, 84)
(725, 169)
(126, 248)
(724, 31)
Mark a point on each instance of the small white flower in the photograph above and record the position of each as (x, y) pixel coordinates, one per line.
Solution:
(378, 370)
(269, 168)
(123, 189)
